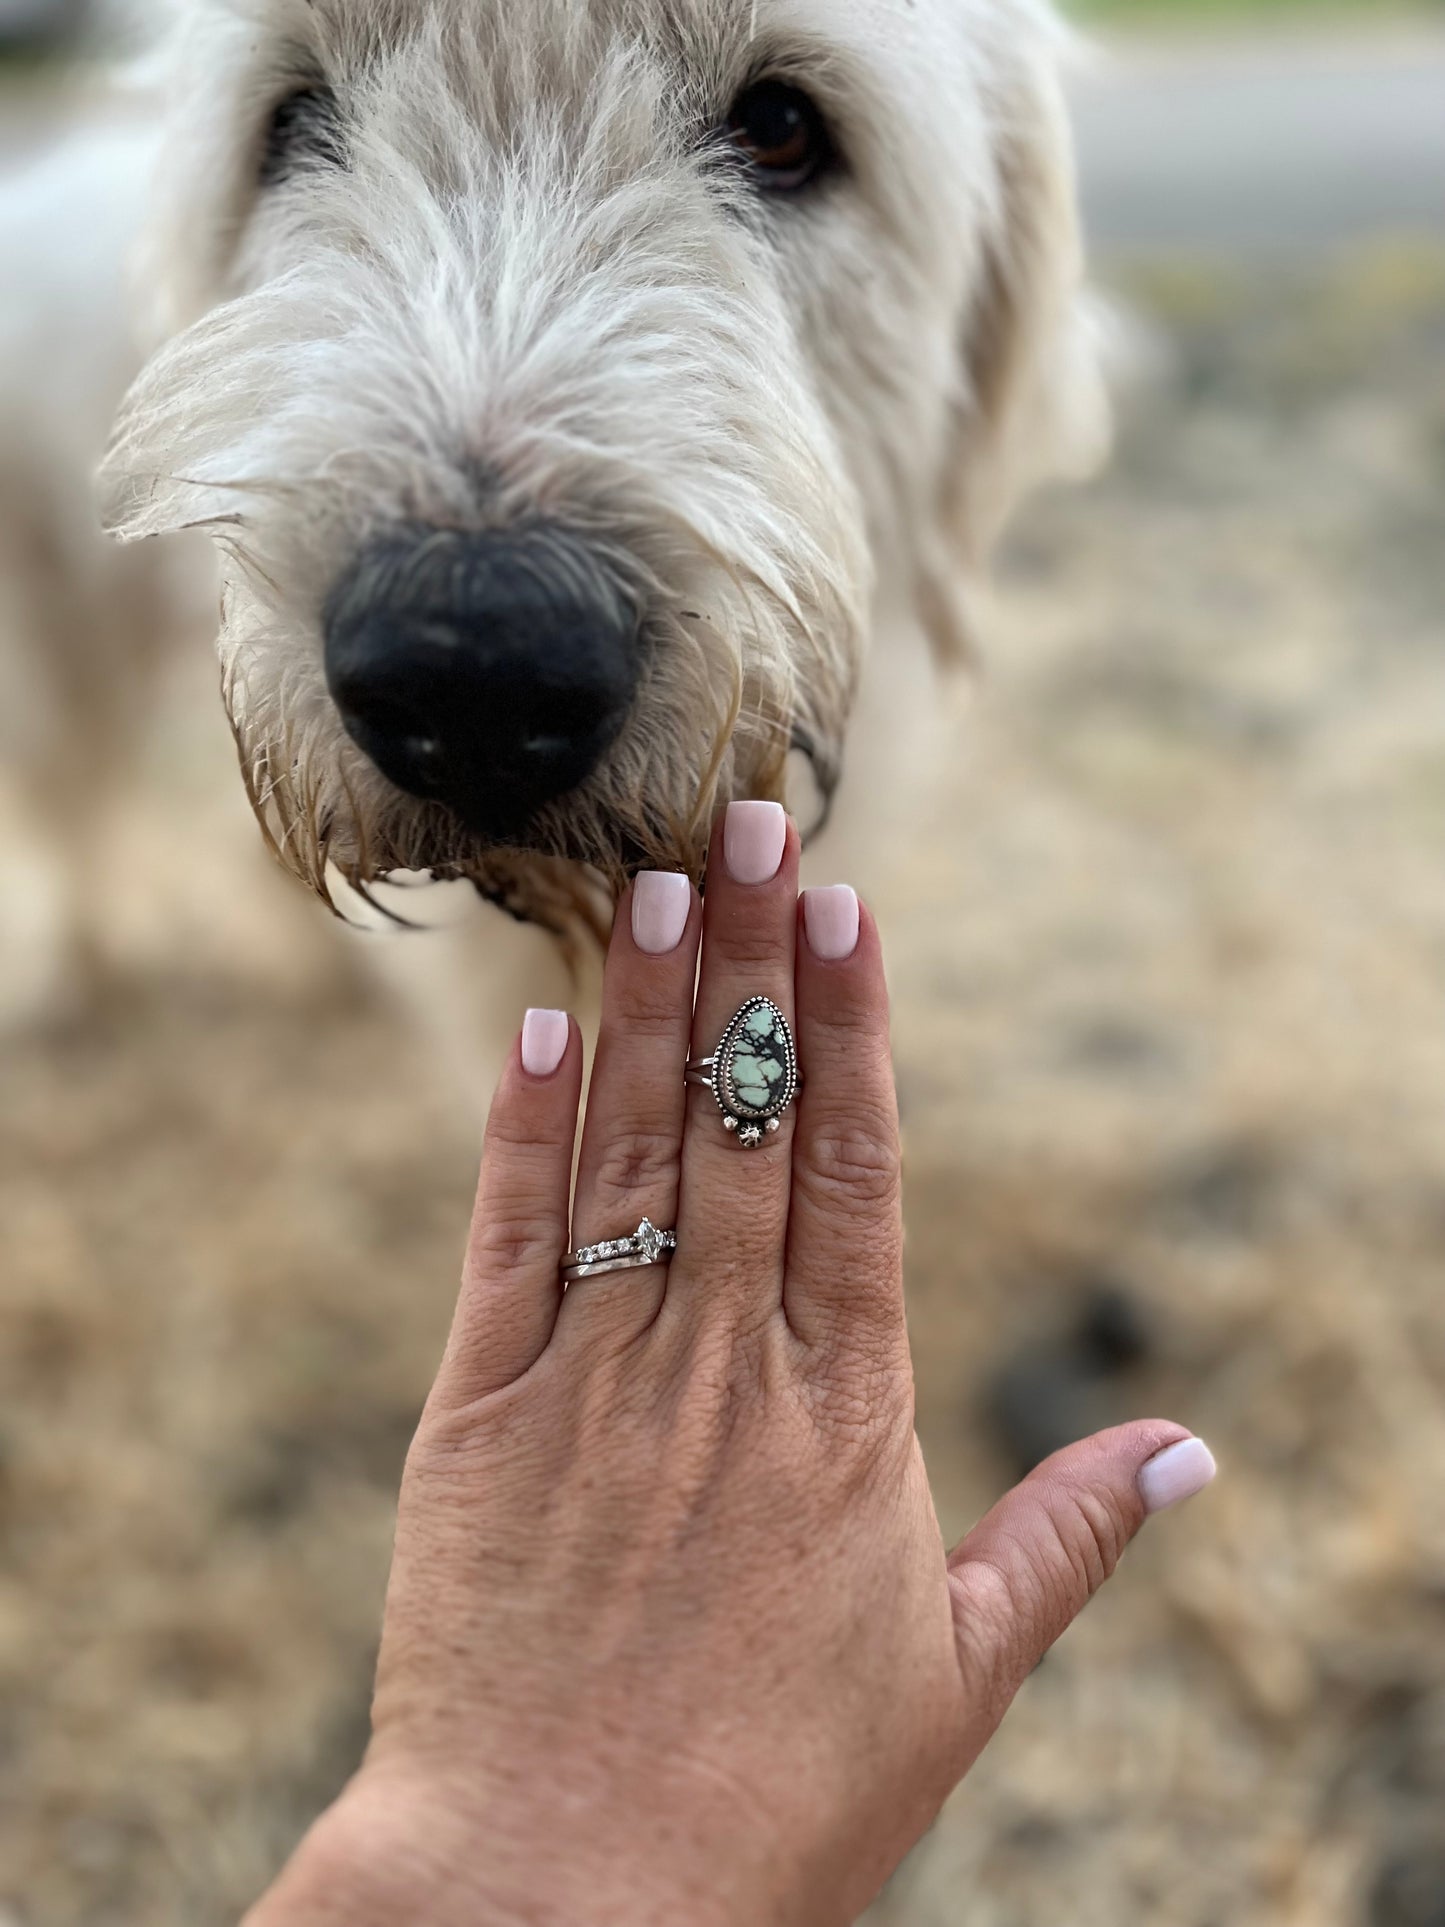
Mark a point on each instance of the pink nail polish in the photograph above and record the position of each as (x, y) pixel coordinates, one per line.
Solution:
(830, 922)
(754, 838)
(661, 904)
(1176, 1473)
(544, 1041)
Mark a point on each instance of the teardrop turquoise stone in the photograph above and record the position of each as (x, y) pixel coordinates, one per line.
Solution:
(758, 1061)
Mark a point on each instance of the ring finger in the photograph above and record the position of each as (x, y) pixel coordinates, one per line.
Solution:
(629, 1165)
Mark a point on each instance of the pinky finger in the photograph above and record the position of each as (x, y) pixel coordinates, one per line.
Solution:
(511, 1280)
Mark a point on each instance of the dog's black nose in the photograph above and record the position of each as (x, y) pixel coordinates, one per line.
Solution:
(488, 671)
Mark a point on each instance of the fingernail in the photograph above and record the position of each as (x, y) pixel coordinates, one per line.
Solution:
(754, 838)
(544, 1041)
(1176, 1473)
(830, 921)
(661, 902)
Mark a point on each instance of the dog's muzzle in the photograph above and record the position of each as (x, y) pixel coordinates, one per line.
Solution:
(488, 670)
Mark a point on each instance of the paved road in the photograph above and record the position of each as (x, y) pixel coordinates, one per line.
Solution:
(1271, 146)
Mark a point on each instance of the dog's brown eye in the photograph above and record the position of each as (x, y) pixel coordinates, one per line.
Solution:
(305, 128)
(781, 135)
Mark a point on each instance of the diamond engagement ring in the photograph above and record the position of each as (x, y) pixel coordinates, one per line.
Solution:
(753, 1074)
(646, 1246)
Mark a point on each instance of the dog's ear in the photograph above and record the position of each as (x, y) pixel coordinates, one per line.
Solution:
(206, 81)
(1031, 403)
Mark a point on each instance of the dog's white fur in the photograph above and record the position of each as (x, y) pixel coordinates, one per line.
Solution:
(795, 428)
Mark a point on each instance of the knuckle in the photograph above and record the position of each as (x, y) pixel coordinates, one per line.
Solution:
(854, 1026)
(991, 1610)
(1001, 1597)
(1058, 1568)
(650, 1013)
(746, 949)
(1092, 1533)
(851, 1162)
(636, 1161)
(515, 1139)
(505, 1241)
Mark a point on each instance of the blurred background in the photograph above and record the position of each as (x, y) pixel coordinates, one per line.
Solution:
(1170, 972)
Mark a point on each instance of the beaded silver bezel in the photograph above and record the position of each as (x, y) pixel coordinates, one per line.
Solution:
(751, 1125)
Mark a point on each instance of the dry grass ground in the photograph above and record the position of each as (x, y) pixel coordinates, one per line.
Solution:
(1169, 973)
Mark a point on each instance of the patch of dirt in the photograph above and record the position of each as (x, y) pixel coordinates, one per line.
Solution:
(1171, 1024)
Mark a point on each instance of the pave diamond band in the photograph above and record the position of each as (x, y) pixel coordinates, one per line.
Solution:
(646, 1246)
(753, 1074)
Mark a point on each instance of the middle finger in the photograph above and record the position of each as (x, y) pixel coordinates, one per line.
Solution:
(733, 1217)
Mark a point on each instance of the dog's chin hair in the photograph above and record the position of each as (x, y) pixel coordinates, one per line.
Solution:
(566, 880)
(326, 815)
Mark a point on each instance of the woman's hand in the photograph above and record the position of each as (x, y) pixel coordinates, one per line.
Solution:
(671, 1635)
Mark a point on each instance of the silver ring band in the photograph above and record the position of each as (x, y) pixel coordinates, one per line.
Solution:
(646, 1246)
(753, 1074)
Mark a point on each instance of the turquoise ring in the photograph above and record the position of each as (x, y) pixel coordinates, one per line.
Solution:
(753, 1074)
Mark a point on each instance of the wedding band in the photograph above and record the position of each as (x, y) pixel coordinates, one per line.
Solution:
(646, 1246)
(753, 1074)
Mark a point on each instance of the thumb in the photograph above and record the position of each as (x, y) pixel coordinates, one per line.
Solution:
(1028, 1569)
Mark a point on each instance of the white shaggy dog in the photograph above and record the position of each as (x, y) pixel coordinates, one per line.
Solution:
(582, 392)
